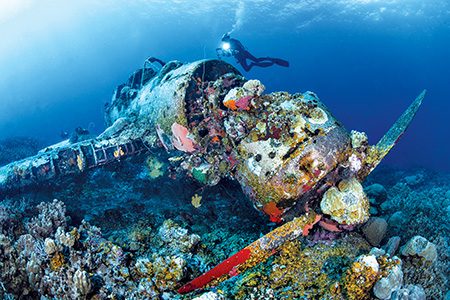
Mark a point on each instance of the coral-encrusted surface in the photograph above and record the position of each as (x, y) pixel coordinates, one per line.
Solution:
(141, 238)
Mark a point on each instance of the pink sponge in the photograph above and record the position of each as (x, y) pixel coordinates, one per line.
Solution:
(180, 139)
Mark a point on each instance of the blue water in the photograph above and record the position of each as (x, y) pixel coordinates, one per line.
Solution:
(367, 60)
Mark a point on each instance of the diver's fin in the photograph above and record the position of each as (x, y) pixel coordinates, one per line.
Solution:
(281, 62)
(375, 154)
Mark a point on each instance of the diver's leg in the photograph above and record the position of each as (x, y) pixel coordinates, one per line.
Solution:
(264, 60)
(263, 64)
(250, 56)
(281, 62)
(278, 61)
(243, 62)
(256, 61)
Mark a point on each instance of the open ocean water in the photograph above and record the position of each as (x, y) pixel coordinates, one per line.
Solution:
(123, 176)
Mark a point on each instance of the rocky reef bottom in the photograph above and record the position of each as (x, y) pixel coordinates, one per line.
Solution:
(119, 234)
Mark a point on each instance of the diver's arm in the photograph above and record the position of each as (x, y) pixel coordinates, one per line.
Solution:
(220, 52)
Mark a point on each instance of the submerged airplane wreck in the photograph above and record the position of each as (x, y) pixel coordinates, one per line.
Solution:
(292, 158)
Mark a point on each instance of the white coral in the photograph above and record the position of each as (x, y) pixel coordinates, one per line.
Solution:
(358, 139)
(65, 238)
(420, 246)
(82, 282)
(51, 216)
(347, 203)
(393, 281)
(369, 261)
(178, 237)
(254, 87)
(209, 296)
(143, 266)
(50, 246)
(250, 88)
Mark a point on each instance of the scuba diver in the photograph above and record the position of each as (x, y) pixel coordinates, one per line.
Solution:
(233, 47)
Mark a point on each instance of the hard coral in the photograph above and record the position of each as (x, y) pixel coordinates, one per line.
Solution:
(168, 271)
(388, 284)
(176, 237)
(82, 282)
(240, 98)
(420, 246)
(359, 139)
(51, 216)
(375, 273)
(361, 277)
(347, 203)
(50, 246)
(433, 277)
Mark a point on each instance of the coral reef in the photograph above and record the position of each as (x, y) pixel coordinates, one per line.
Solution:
(410, 292)
(358, 139)
(415, 206)
(176, 237)
(154, 245)
(209, 296)
(431, 276)
(54, 261)
(207, 124)
(299, 270)
(46, 257)
(361, 277)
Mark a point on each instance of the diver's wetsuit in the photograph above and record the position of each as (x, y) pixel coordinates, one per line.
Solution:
(242, 55)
